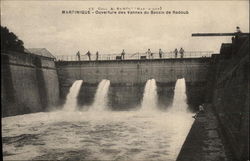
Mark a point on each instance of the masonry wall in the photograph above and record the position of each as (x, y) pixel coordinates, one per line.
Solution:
(51, 82)
(134, 71)
(29, 84)
(230, 98)
(128, 78)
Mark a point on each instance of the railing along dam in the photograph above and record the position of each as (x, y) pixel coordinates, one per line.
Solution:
(134, 56)
(128, 77)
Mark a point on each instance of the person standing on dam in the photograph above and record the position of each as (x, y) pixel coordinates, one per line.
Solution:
(160, 53)
(181, 52)
(97, 56)
(123, 54)
(149, 53)
(175, 52)
(152, 55)
(78, 56)
(235, 41)
(89, 55)
(238, 31)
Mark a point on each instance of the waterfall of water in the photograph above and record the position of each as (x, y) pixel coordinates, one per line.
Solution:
(180, 97)
(149, 101)
(71, 100)
(101, 96)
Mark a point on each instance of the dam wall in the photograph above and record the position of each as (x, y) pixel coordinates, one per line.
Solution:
(128, 78)
(230, 96)
(134, 71)
(227, 100)
(29, 84)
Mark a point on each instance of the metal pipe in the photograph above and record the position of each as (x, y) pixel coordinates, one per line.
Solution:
(219, 34)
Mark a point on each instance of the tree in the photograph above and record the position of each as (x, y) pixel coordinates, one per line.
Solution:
(9, 41)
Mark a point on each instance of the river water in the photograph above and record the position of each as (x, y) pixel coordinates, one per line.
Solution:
(97, 134)
(131, 135)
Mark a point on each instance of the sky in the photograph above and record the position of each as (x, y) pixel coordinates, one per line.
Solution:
(41, 24)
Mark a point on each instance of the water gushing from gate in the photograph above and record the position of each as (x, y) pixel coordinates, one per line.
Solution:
(149, 101)
(71, 100)
(101, 133)
(101, 96)
(180, 97)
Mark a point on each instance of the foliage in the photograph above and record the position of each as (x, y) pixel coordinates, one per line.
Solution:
(9, 41)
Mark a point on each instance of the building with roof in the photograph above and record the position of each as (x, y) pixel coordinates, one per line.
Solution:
(40, 52)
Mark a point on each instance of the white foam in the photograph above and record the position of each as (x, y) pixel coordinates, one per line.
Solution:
(150, 97)
(71, 100)
(101, 96)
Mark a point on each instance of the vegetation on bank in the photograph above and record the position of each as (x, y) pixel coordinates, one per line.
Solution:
(9, 41)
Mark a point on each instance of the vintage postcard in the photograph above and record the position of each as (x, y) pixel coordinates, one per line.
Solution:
(138, 80)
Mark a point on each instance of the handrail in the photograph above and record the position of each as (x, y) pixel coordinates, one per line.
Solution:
(135, 56)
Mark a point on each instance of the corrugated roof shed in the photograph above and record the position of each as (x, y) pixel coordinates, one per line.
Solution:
(40, 51)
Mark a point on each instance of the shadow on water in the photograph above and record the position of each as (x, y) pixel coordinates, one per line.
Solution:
(23, 140)
(59, 154)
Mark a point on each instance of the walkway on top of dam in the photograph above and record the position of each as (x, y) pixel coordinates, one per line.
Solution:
(135, 56)
(193, 67)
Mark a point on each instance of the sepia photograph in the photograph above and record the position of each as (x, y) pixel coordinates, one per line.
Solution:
(125, 80)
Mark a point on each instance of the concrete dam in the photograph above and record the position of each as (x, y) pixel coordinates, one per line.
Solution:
(128, 78)
(33, 83)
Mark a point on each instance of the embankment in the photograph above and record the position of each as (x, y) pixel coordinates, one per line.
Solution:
(29, 84)
(228, 95)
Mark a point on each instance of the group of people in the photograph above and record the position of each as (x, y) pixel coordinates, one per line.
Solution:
(181, 51)
(149, 54)
(88, 54)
